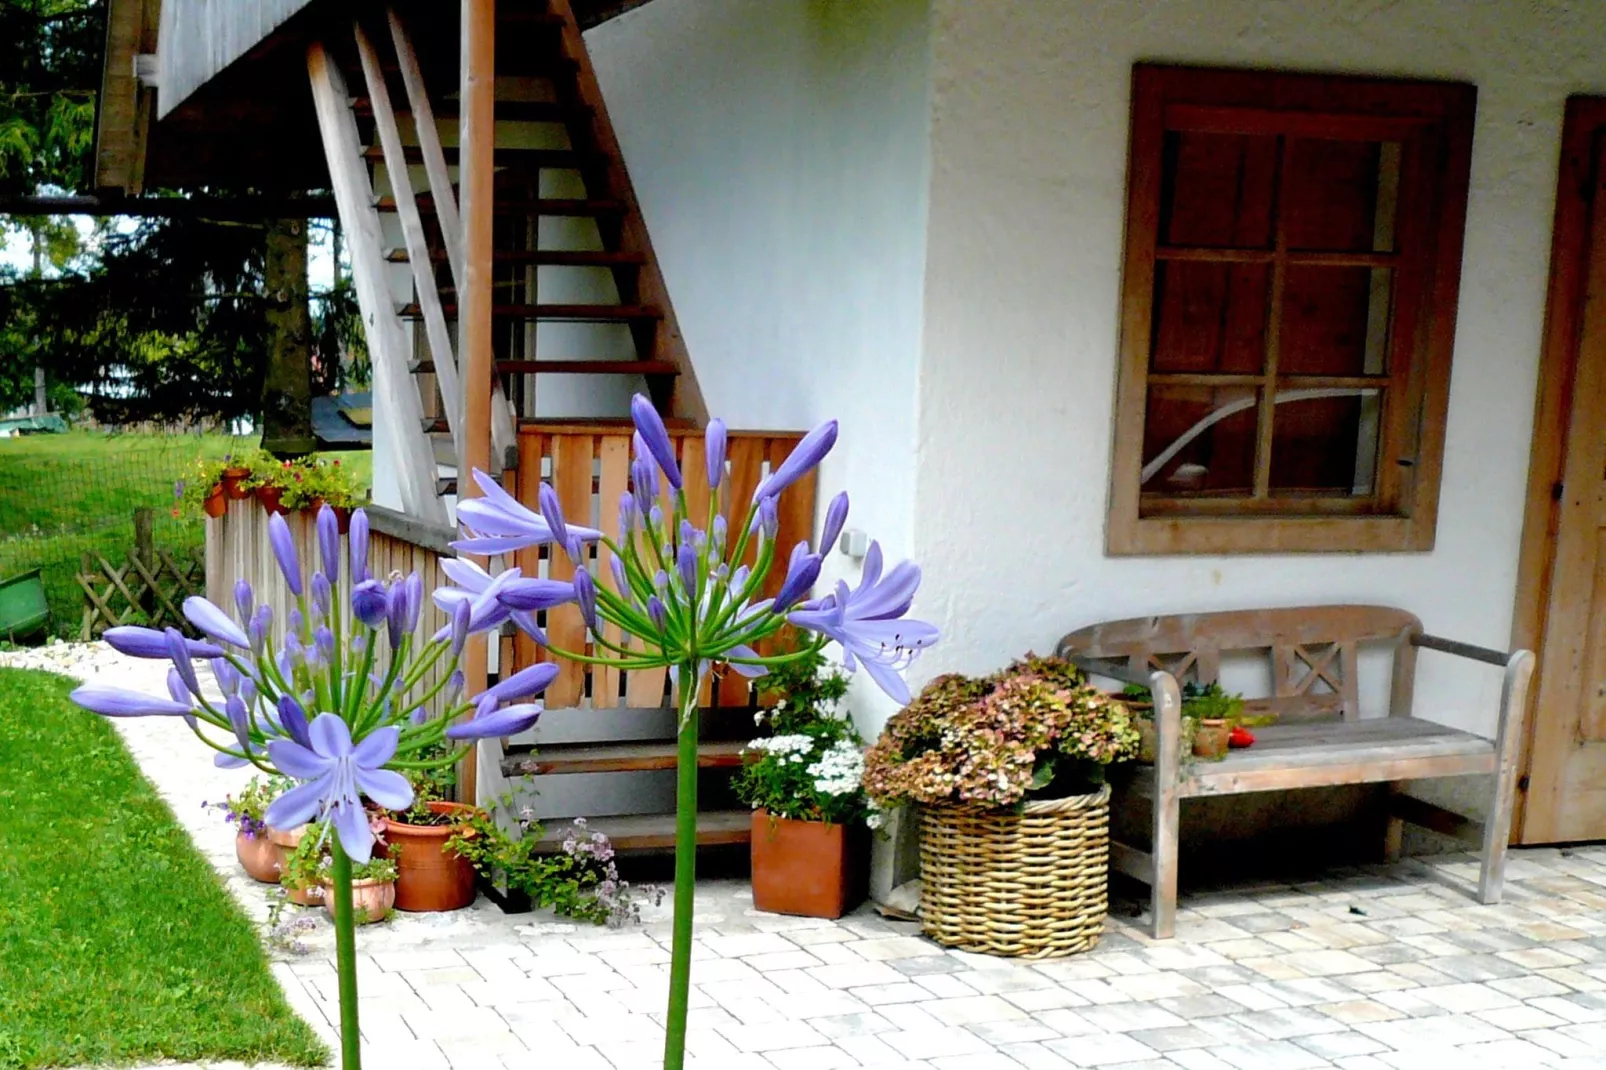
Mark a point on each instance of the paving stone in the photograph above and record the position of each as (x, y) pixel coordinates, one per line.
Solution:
(1281, 1023)
(1101, 1049)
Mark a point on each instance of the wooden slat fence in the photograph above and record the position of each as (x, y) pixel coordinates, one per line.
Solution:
(589, 467)
(237, 547)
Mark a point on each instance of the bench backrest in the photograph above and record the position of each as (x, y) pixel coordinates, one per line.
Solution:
(1314, 652)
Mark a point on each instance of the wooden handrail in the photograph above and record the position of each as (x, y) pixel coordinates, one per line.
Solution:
(1464, 650)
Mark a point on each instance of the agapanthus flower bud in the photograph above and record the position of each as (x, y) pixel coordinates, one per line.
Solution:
(686, 565)
(552, 513)
(357, 542)
(415, 602)
(396, 613)
(621, 583)
(293, 719)
(226, 675)
(657, 517)
(323, 640)
(836, 515)
(240, 721)
(714, 451)
(295, 621)
(650, 427)
(628, 513)
(179, 651)
(176, 688)
(293, 649)
(284, 550)
(739, 577)
(643, 484)
(244, 600)
(585, 594)
(369, 602)
(657, 613)
(454, 686)
(801, 572)
(804, 456)
(213, 622)
(719, 534)
(769, 517)
(577, 552)
(322, 596)
(359, 643)
(462, 611)
(329, 542)
(418, 716)
(261, 623)
(660, 581)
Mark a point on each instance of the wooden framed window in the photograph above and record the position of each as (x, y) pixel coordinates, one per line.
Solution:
(1293, 252)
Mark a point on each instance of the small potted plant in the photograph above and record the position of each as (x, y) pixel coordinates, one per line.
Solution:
(233, 477)
(325, 481)
(1213, 721)
(301, 867)
(202, 488)
(804, 784)
(373, 889)
(1008, 775)
(259, 856)
(269, 479)
(431, 876)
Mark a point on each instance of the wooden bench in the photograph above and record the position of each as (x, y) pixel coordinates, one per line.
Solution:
(1320, 738)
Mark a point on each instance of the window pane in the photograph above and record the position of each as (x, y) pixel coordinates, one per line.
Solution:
(1335, 320)
(1324, 441)
(1342, 195)
(1199, 440)
(1217, 190)
(1210, 317)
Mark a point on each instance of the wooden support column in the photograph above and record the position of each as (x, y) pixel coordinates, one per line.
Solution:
(476, 149)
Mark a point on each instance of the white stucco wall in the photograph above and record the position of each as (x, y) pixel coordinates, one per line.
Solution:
(779, 151)
(1017, 384)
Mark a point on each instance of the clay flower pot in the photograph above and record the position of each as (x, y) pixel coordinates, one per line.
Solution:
(259, 856)
(342, 518)
(1210, 740)
(216, 504)
(286, 842)
(269, 499)
(231, 481)
(809, 868)
(429, 877)
(371, 900)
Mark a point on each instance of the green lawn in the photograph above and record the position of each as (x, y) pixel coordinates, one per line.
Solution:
(117, 942)
(62, 496)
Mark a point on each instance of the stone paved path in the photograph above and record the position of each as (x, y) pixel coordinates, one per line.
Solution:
(1387, 968)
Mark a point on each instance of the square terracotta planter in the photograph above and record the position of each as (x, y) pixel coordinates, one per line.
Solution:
(808, 868)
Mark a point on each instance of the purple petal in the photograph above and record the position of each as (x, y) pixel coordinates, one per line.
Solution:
(293, 719)
(686, 565)
(117, 702)
(322, 594)
(298, 805)
(239, 720)
(294, 760)
(139, 642)
(351, 825)
(466, 574)
(656, 438)
(244, 599)
(491, 545)
(522, 684)
(178, 649)
(526, 624)
(529, 595)
(585, 593)
(801, 572)
(369, 602)
(494, 518)
(284, 549)
(552, 513)
(330, 736)
(808, 453)
(385, 787)
(228, 761)
(462, 613)
(752, 672)
(891, 597)
(888, 679)
(376, 748)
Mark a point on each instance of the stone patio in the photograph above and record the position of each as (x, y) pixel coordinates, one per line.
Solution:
(1386, 967)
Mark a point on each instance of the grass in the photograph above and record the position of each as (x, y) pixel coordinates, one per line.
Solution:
(117, 942)
(62, 496)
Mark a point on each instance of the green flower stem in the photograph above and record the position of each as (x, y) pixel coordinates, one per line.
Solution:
(345, 955)
(359, 684)
(438, 763)
(685, 870)
(424, 663)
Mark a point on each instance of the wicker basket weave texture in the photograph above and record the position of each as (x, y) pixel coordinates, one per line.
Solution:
(1027, 885)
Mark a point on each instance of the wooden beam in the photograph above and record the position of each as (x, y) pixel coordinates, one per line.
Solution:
(476, 173)
(223, 209)
(401, 186)
(396, 395)
(429, 142)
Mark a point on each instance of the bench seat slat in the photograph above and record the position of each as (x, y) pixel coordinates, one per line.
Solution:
(1322, 755)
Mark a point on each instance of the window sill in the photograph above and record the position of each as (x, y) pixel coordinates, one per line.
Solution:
(1156, 536)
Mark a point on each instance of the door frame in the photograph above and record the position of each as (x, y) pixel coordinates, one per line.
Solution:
(1564, 307)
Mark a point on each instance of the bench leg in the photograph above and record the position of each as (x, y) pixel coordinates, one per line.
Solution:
(1497, 824)
(1394, 827)
(1163, 893)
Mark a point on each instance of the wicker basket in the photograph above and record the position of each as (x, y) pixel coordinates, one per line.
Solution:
(1028, 885)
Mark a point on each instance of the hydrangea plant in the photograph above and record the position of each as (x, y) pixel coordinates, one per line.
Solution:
(1037, 730)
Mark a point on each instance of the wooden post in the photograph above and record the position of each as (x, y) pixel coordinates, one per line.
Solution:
(476, 149)
(145, 550)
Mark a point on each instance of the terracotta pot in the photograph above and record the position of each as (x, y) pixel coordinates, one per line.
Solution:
(429, 877)
(216, 504)
(231, 480)
(371, 900)
(1210, 740)
(809, 868)
(343, 518)
(286, 842)
(269, 499)
(259, 856)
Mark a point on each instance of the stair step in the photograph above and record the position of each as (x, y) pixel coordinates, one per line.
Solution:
(572, 367)
(555, 313)
(566, 159)
(656, 832)
(540, 207)
(560, 759)
(547, 257)
(512, 111)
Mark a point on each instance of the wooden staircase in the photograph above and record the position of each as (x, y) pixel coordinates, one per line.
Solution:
(581, 321)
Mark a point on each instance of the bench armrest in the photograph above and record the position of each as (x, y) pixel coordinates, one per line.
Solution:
(1466, 650)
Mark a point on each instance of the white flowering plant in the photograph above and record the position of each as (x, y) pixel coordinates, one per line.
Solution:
(812, 767)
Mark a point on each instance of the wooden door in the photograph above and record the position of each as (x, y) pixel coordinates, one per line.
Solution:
(1562, 592)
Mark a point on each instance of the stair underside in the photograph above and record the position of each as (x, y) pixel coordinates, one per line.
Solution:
(542, 257)
(555, 313)
(656, 832)
(544, 206)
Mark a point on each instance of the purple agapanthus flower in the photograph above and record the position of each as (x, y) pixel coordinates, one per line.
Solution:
(867, 621)
(489, 722)
(139, 642)
(335, 776)
(501, 525)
